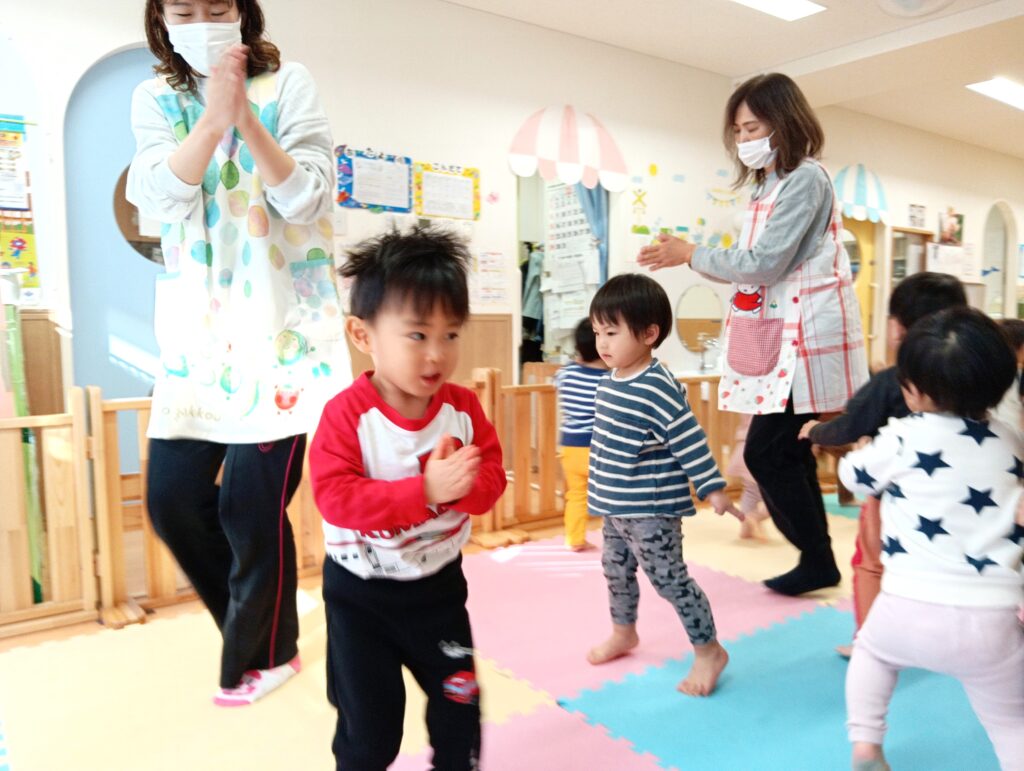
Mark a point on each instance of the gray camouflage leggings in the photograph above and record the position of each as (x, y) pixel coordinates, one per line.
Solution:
(656, 543)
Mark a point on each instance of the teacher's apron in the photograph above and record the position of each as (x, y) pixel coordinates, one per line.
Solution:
(247, 315)
(799, 338)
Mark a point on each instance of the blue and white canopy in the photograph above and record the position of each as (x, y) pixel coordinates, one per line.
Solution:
(861, 195)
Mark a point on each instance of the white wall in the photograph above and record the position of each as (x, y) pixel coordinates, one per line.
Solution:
(443, 83)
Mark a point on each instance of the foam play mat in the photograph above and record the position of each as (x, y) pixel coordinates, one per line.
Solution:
(139, 698)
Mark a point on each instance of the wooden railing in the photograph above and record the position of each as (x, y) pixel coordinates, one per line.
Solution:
(125, 570)
(68, 582)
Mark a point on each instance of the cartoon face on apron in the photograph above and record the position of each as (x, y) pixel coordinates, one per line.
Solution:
(773, 351)
(247, 316)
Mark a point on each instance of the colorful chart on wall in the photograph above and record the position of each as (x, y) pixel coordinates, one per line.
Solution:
(375, 181)
(446, 191)
(17, 230)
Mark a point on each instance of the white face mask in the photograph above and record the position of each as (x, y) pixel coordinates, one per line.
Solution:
(203, 44)
(757, 153)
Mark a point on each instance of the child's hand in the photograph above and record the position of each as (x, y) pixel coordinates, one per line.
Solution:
(805, 429)
(721, 503)
(1019, 519)
(450, 473)
(864, 441)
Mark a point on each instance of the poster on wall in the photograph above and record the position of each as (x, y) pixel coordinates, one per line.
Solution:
(960, 261)
(488, 279)
(17, 229)
(375, 181)
(446, 191)
(951, 227)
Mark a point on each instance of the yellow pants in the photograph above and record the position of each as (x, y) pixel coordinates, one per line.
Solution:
(575, 461)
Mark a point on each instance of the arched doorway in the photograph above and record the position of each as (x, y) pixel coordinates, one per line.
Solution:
(998, 263)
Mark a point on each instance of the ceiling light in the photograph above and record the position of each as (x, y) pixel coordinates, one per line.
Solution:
(787, 10)
(1002, 89)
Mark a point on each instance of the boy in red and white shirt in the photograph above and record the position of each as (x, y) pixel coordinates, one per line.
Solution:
(400, 461)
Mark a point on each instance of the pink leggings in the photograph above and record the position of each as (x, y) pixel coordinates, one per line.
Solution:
(983, 648)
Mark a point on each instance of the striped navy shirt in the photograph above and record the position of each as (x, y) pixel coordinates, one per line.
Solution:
(577, 390)
(647, 448)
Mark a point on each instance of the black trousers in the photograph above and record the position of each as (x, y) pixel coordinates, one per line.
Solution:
(374, 627)
(233, 541)
(787, 473)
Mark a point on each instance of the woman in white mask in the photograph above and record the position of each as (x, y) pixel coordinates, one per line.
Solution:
(234, 155)
(793, 345)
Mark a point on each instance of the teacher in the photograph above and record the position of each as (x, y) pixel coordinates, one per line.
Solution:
(793, 346)
(234, 157)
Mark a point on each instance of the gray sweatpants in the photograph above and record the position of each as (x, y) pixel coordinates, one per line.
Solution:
(656, 543)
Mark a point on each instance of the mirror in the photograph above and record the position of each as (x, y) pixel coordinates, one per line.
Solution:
(852, 247)
(142, 234)
(698, 317)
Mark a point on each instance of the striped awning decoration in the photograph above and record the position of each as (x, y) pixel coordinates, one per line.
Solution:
(571, 146)
(861, 195)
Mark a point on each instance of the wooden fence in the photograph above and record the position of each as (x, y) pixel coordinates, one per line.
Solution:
(104, 561)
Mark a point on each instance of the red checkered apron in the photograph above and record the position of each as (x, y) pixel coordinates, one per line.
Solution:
(799, 338)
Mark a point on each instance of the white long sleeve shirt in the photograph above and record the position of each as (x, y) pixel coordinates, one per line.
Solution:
(303, 132)
(949, 489)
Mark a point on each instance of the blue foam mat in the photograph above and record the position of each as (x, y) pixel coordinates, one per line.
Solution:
(833, 506)
(781, 705)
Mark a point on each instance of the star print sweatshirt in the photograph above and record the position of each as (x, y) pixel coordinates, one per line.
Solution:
(949, 489)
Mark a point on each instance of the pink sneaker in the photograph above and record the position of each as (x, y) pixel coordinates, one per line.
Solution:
(257, 683)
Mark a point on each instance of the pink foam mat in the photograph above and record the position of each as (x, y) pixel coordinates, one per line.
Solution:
(537, 609)
(547, 738)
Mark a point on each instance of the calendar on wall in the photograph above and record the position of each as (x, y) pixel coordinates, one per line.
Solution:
(571, 267)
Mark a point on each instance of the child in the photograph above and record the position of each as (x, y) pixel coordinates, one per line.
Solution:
(647, 448)
(1009, 409)
(577, 388)
(399, 462)
(751, 503)
(950, 482)
(880, 399)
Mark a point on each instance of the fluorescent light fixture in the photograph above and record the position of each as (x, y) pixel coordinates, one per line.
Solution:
(1003, 89)
(787, 10)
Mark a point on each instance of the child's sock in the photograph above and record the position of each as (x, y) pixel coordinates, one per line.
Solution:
(257, 683)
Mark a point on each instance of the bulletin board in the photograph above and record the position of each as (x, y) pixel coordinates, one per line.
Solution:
(446, 191)
(17, 228)
(375, 181)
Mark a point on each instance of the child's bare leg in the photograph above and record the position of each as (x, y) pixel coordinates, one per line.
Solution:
(623, 640)
(708, 662)
(868, 757)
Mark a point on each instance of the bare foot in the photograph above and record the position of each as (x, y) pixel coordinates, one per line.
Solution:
(623, 640)
(750, 528)
(844, 650)
(708, 662)
(585, 546)
(868, 757)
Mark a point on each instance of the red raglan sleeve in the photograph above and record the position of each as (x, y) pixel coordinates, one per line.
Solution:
(345, 496)
(490, 480)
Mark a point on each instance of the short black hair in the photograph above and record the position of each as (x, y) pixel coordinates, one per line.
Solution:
(586, 344)
(636, 301)
(924, 293)
(960, 359)
(426, 267)
(1014, 329)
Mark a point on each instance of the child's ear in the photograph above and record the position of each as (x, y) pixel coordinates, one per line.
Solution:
(651, 334)
(358, 334)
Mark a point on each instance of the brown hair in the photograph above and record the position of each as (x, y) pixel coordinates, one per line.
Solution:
(779, 102)
(264, 56)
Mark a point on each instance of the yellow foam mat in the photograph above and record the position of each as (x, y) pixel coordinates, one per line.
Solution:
(141, 698)
(714, 542)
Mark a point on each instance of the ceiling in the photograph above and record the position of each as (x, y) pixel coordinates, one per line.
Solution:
(907, 69)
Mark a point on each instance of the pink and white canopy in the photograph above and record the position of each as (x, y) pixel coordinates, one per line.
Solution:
(569, 146)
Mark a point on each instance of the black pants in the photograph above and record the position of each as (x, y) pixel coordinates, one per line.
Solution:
(374, 627)
(234, 542)
(787, 473)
